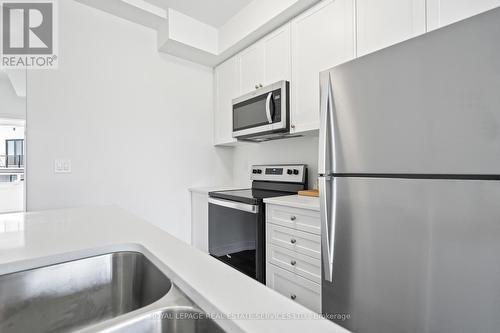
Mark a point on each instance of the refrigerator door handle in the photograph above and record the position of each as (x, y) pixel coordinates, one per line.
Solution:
(328, 223)
(326, 130)
(323, 118)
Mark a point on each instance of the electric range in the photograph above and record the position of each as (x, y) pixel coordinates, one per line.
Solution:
(236, 223)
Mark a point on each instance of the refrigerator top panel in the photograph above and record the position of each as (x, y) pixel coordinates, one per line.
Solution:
(430, 105)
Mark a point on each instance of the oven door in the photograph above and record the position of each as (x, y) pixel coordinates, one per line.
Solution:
(261, 112)
(236, 236)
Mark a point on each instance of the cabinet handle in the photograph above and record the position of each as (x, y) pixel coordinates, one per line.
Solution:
(256, 86)
(293, 263)
(292, 126)
(293, 241)
(293, 296)
(260, 85)
(293, 218)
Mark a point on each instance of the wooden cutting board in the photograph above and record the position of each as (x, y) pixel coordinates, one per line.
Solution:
(309, 193)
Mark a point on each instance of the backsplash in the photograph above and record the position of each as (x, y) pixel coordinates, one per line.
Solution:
(294, 150)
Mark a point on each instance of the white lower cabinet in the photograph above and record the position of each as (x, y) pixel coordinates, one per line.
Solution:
(294, 218)
(199, 220)
(293, 254)
(307, 267)
(297, 288)
(294, 240)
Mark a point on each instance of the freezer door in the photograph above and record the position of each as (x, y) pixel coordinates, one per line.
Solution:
(415, 256)
(430, 105)
(326, 163)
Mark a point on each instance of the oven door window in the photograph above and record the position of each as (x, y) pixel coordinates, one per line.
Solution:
(232, 235)
(258, 111)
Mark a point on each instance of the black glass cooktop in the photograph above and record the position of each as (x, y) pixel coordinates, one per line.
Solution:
(249, 196)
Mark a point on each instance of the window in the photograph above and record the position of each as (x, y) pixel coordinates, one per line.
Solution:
(15, 153)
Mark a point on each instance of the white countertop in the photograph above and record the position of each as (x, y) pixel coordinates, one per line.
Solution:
(29, 240)
(296, 201)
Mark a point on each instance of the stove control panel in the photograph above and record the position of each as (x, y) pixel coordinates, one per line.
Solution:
(289, 173)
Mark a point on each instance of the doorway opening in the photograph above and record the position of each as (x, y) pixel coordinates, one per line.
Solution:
(12, 141)
(12, 160)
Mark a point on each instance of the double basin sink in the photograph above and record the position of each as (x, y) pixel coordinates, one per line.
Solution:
(113, 293)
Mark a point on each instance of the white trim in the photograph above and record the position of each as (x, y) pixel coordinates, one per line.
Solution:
(148, 7)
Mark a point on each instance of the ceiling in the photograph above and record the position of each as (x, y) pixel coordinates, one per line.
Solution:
(212, 12)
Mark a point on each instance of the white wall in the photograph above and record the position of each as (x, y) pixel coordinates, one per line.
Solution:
(11, 105)
(135, 123)
(297, 150)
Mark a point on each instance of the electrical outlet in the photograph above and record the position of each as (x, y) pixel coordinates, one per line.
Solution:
(62, 166)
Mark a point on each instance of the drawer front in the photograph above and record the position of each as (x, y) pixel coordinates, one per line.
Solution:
(294, 240)
(302, 291)
(307, 267)
(300, 219)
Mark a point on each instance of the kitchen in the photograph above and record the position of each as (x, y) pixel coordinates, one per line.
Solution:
(115, 105)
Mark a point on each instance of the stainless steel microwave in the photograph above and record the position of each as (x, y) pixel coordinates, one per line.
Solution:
(263, 114)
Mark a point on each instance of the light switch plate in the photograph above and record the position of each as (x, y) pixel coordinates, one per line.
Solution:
(62, 165)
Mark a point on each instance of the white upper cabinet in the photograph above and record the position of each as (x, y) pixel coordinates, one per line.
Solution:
(326, 35)
(322, 37)
(252, 68)
(263, 63)
(444, 12)
(267, 61)
(382, 23)
(277, 56)
(227, 87)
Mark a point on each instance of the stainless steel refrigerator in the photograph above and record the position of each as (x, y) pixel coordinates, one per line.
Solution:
(410, 184)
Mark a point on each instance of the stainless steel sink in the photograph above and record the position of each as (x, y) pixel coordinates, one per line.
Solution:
(72, 295)
(178, 320)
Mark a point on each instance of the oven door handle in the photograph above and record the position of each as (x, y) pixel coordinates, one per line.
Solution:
(254, 209)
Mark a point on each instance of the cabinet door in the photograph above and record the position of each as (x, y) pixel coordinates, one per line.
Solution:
(277, 57)
(444, 12)
(252, 68)
(322, 37)
(227, 80)
(383, 23)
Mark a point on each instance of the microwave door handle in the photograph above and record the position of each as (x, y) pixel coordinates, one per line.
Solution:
(268, 108)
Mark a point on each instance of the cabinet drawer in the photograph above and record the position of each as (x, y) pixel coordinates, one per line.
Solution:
(295, 240)
(307, 267)
(301, 290)
(300, 219)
